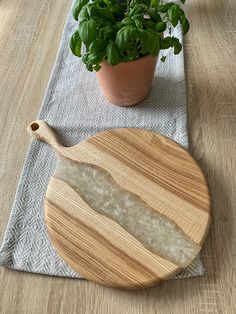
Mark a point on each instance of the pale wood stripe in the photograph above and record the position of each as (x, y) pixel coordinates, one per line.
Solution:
(65, 211)
(161, 159)
(188, 217)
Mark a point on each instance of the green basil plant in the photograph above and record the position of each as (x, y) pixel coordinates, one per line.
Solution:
(124, 31)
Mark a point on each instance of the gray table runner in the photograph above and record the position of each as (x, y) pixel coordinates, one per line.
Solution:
(75, 108)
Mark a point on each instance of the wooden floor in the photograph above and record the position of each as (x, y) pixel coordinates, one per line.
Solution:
(30, 32)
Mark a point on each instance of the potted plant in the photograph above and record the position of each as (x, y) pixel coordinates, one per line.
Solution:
(122, 42)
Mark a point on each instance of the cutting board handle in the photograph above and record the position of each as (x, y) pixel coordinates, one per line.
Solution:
(40, 130)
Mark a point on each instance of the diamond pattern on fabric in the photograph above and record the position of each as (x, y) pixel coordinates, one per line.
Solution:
(75, 107)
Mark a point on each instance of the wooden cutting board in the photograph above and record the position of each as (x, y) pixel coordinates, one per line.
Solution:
(126, 208)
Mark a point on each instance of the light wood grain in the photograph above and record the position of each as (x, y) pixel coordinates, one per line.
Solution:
(159, 173)
(27, 30)
(96, 246)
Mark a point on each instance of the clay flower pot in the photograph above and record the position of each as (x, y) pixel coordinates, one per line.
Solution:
(127, 83)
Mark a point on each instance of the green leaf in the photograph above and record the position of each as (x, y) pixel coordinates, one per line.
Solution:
(127, 21)
(108, 2)
(112, 54)
(95, 57)
(154, 15)
(150, 24)
(89, 66)
(138, 17)
(166, 42)
(85, 58)
(75, 44)
(107, 32)
(150, 42)
(173, 13)
(183, 1)
(124, 36)
(137, 9)
(177, 46)
(131, 55)
(92, 10)
(118, 26)
(77, 8)
(96, 67)
(93, 60)
(163, 58)
(161, 26)
(145, 2)
(87, 31)
(105, 14)
(117, 11)
(185, 23)
(155, 2)
(138, 23)
(97, 12)
(164, 7)
(97, 45)
(83, 15)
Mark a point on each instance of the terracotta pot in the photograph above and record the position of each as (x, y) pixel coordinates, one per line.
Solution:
(127, 83)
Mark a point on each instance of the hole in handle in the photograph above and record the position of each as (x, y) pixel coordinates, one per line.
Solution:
(34, 126)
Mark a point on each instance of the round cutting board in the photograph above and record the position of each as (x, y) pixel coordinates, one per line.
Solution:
(126, 208)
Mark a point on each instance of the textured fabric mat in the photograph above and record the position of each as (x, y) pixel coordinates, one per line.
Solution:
(75, 107)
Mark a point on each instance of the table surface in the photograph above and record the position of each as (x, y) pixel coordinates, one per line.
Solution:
(30, 32)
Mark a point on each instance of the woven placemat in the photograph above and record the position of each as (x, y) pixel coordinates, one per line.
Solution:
(74, 106)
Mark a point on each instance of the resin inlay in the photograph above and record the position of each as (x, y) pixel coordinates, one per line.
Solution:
(101, 192)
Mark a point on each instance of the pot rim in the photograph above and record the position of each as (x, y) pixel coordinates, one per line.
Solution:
(133, 61)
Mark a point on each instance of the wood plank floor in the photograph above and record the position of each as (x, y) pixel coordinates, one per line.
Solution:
(30, 33)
